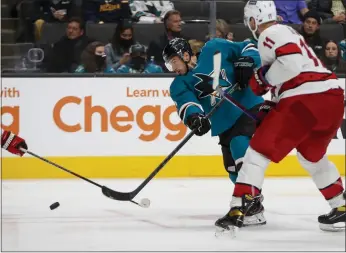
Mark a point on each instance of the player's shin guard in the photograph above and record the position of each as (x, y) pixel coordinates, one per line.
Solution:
(246, 206)
(249, 182)
(327, 179)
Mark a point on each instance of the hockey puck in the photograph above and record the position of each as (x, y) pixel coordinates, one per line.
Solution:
(55, 205)
(145, 203)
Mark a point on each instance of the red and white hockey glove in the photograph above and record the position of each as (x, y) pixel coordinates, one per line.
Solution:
(264, 109)
(12, 143)
(258, 83)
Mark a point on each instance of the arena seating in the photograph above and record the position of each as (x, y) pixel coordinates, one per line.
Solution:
(144, 33)
(191, 10)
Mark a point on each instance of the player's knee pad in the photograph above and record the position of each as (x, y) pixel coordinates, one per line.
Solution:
(311, 166)
(323, 172)
(253, 168)
(312, 156)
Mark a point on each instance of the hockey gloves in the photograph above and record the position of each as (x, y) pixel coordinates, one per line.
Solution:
(264, 109)
(199, 122)
(258, 83)
(12, 143)
(243, 70)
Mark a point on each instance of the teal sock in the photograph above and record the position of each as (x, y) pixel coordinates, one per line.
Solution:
(238, 145)
(233, 177)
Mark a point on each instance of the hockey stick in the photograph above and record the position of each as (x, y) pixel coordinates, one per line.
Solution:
(235, 103)
(104, 188)
(127, 196)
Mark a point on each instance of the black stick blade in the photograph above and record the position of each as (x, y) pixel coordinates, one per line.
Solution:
(122, 196)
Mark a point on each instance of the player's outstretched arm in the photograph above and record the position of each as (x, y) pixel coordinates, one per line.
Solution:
(12, 143)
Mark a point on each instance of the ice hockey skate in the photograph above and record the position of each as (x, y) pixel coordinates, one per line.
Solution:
(249, 214)
(335, 220)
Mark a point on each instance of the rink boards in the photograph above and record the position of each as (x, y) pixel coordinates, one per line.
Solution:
(113, 128)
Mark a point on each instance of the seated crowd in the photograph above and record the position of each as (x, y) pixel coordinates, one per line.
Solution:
(80, 52)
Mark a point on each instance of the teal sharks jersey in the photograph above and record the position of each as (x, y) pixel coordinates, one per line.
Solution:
(189, 97)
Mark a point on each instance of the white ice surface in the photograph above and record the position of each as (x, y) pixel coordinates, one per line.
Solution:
(181, 217)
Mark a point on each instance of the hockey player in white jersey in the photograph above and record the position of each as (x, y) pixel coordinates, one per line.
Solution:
(305, 113)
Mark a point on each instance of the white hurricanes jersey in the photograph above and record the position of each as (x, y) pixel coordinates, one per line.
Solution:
(147, 11)
(294, 67)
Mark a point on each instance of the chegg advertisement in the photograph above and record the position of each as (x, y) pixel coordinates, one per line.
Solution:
(96, 116)
(127, 122)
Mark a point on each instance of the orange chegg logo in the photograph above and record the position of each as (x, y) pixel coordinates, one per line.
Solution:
(151, 131)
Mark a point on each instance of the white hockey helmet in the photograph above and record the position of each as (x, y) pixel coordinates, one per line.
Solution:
(261, 11)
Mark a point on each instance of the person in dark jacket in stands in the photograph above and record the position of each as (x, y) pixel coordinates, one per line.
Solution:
(106, 11)
(117, 51)
(172, 22)
(64, 56)
(52, 11)
(331, 11)
(332, 57)
(311, 32)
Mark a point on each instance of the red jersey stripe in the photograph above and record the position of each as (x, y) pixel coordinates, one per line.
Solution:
(305, 77)
(287, 49)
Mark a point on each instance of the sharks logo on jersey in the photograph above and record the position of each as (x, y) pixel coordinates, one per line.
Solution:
(205, 85)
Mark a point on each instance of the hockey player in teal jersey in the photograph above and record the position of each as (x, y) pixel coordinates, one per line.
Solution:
(193, 102)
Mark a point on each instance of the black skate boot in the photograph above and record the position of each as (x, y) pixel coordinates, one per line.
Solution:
(334, 221)
(234, 219)
(255, 216)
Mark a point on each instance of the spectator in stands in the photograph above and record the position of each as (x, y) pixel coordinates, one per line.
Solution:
(196, 47)
(52, 11)
(223, 30)
(138, 62)
(311, 32)
(332, 57)
(173, 29)
(288, 10)
(342, 45)
(150, 11)
(117, 51)
(331, 11)
(64, 56)
(93, 59)
(106, 11)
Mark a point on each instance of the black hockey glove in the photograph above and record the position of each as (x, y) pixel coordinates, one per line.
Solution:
(264, 109)
(199, 122)
(243, 70)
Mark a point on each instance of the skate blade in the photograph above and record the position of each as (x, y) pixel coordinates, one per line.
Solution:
(337, 227)
(232, 232)
(255, 220)
(255, 224)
